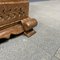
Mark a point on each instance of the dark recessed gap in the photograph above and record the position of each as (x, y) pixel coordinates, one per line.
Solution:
(11, 37)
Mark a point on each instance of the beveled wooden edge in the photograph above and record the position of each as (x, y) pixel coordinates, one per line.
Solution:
(13, 2)
(6, 33)
(20, 28)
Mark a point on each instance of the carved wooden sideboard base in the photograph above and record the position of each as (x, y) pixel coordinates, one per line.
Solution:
(14, 18)
(23, 26)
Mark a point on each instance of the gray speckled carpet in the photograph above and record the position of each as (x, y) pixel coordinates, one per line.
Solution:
(45, 44)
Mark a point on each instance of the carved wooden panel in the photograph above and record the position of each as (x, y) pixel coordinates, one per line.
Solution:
(13, 11)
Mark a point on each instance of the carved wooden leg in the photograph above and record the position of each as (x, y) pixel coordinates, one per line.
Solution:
(28, 25)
